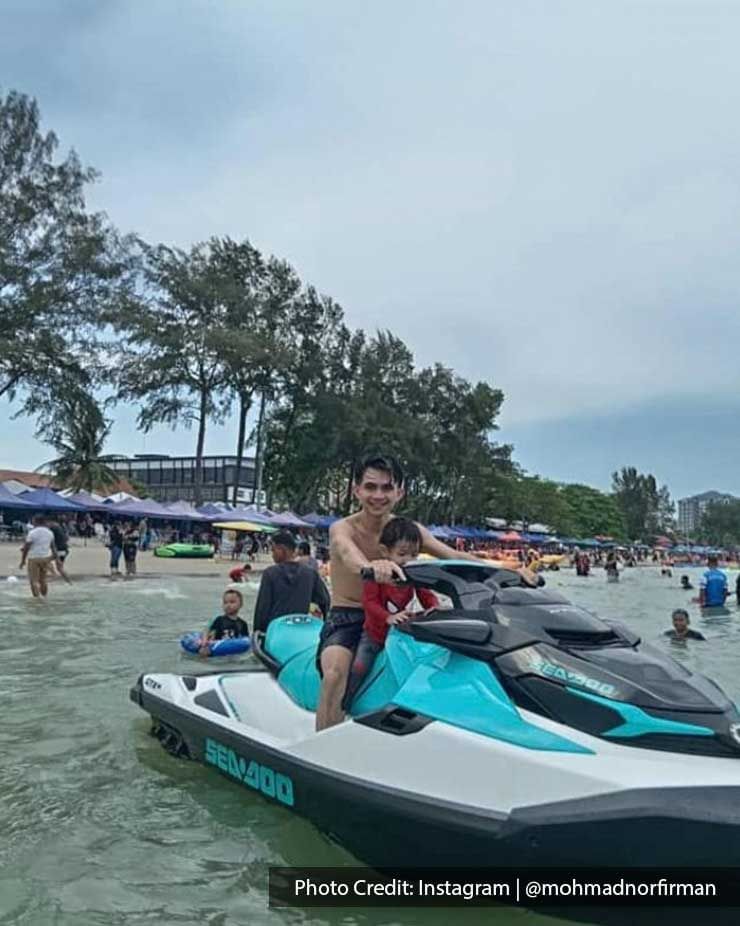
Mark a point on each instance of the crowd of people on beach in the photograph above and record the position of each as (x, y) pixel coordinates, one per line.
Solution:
(357, 615)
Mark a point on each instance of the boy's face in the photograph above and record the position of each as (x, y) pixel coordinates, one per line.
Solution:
(402, 552)
(377, 493)
(232, 603)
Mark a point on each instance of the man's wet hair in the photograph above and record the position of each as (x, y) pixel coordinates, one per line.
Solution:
(681, 612)
(283, 539)
(712, 559)
(380, 462)
(400, 530)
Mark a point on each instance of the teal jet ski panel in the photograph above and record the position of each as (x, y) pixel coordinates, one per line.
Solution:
(292, 642)
(422, 677)
(465, 693)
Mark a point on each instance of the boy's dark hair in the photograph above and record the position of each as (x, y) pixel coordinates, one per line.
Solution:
(283, 539)
(304, 548)
(399, 530)
(382, 462)
(681, 612)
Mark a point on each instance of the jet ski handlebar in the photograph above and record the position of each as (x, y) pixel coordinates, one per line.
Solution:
(367, 574)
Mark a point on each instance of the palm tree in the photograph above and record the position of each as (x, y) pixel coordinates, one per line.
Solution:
(78, 433)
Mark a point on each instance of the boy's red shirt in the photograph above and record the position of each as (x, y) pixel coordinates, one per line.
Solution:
(376, 600)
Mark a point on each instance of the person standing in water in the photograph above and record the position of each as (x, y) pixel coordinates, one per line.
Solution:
(612, 567)
(354, 544)
(130, 549)
(38, 551)
(713, 587)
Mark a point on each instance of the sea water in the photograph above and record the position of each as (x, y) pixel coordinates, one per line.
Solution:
(99, 826)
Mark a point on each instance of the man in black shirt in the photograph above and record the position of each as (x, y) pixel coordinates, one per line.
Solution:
(61, 541)
(681, 629)
(288, 587)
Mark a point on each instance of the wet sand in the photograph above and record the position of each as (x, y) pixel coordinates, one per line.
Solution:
(91, 561)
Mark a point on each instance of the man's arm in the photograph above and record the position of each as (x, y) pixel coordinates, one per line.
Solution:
(24, 553)
(342, 545)
(264, 602)
(321, 594)
(434, 547)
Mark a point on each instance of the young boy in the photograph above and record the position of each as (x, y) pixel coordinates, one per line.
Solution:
(228, 624)
(386, 605)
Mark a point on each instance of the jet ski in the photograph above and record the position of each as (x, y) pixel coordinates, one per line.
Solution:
(512, 728)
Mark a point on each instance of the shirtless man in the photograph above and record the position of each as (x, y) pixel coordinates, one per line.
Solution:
(354, 544)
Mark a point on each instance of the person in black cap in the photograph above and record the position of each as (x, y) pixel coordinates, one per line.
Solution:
(288, 587)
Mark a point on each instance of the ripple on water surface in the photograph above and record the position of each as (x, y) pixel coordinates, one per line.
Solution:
(100, 826)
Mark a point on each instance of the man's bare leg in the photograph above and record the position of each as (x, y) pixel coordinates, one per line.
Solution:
(43, 587)
(32, 578)
(336, 662)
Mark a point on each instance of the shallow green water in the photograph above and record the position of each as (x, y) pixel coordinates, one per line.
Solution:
(99, 826)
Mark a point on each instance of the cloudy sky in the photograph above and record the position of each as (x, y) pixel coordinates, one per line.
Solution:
(545, 195)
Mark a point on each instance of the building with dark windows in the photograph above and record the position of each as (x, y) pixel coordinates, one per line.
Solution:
(169, 479)
(691, 510)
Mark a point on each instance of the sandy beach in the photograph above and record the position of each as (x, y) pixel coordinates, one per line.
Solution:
(89, 560)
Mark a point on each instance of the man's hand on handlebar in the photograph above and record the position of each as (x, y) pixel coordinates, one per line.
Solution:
(383, 571)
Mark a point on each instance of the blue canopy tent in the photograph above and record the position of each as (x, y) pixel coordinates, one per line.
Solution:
(146, 508)
(184, 511)
(48, 500)
(320, 521)
(289, 519)
(211, 509)
(9, 500)
(87, 501)
(246, 514)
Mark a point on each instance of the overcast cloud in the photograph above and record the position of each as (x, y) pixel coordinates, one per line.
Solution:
(541, 194)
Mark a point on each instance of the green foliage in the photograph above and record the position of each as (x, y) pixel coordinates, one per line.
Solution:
(591, 513)
(646, 508)
(170, 360)
(571, 510)
(720, 524)
(219, 325)
(58, 263)
(348, 393)
(77, 430)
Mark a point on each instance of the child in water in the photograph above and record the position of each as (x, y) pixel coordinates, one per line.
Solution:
(228, 624)
(239, 573)
(386, 605)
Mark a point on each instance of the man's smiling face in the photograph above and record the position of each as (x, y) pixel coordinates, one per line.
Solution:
(377, 493)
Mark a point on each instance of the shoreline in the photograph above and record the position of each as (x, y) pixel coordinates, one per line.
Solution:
(88, 562)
